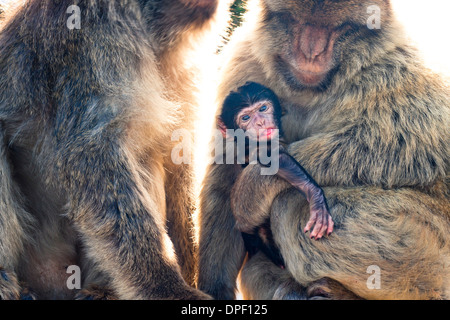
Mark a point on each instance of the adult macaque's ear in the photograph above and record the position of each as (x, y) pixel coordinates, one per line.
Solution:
(222, 127)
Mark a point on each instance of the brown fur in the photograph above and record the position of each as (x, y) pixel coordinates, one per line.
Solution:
(376, 137)
(86, 174)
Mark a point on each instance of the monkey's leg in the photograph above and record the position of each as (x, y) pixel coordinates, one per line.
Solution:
(226, 210)
(14, 220)
(179, 210)
(221, 247)
(261, 279)
(389, 244)
(249, 186)
(119, 220)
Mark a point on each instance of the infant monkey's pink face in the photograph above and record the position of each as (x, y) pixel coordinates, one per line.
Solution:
(258, 120)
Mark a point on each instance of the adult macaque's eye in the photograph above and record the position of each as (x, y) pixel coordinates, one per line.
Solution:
(263, 108)
(245, 118)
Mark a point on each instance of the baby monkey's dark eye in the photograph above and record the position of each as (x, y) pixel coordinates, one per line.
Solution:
(263, 108)
(245, 118)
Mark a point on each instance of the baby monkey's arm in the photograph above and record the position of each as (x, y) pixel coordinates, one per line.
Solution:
(296, 175)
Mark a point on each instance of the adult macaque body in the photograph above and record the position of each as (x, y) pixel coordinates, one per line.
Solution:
(86, 176)
(256, 109)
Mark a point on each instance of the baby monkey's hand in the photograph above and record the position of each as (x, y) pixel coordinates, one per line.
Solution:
(319, 217)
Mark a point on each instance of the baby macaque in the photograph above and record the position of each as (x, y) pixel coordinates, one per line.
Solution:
(257, 110)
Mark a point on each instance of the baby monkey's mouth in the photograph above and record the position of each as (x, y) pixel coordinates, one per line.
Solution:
(267, 134)
(270, 132)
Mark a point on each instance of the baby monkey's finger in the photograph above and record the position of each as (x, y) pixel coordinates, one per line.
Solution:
(324, 226)
(330, 225)
(311, 222)
(318, 227)
(323, 231)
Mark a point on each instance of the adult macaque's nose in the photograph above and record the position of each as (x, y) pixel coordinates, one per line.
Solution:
(314, 41)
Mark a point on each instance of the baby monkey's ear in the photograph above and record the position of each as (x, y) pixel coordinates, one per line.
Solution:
(222, 127)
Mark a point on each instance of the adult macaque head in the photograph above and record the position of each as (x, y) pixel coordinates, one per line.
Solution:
(308, 37)
(254, 109)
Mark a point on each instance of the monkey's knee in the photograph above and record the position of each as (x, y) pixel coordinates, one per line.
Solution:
(329, 289)
(290, 290)
(261, 279)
